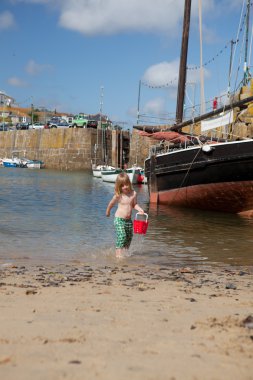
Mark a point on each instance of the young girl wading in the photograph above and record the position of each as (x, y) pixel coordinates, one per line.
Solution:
(126, 199)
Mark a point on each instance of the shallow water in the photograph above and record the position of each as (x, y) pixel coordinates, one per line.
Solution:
(60, 217)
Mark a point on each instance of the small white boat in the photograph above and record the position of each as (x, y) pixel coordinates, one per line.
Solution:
(111, 175)
(34, 164)
(96, 170)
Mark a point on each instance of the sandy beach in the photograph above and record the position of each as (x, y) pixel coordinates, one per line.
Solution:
(124, 322)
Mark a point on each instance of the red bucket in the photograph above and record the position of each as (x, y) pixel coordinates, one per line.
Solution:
(140, 226)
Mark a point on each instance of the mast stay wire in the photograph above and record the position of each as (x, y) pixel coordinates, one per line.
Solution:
(237, 39)
(187, 95)
(250, 48)
(202, 88)
(217, 69)
(232, 60)
(239, 65)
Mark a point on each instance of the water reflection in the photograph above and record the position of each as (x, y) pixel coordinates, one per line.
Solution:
(201, 236)
(60, 216)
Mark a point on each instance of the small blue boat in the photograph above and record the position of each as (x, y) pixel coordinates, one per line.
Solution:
(11, 162)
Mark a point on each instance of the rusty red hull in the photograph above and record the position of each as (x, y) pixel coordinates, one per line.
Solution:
(233, 197)
(220, 179)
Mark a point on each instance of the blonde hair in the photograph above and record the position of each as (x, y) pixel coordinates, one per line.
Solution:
(122, 179)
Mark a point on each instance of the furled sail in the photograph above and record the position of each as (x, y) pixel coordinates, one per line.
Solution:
(174, 137)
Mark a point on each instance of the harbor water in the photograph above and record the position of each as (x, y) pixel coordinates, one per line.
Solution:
(53, 216)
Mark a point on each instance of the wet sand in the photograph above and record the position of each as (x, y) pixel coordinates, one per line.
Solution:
(124, 322)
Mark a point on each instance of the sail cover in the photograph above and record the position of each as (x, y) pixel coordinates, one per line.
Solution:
(171, 136)
(220, 121)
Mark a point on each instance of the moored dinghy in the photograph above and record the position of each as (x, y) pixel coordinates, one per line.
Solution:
(34, 164)
(111, 175)
(96, 170)
(13, 162)
(16, 162)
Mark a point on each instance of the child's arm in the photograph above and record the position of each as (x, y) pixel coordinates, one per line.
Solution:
(136, 206)
(139, 209)
(111, 204)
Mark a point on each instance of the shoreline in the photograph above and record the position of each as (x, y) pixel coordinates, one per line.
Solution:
(122, 321)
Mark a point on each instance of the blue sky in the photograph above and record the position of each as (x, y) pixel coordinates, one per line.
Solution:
(59, 53)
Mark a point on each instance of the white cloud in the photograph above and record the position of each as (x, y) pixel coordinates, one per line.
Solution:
(113, 16)
(155, 106)
(162, 74)
(193, 76)
(166, 73)
(93, 17)
(16, 82)
(34, 68)
(6, 20)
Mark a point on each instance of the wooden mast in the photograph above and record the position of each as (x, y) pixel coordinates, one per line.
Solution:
(183, 62)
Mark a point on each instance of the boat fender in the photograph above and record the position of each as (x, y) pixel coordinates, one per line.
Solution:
(207, 148)
(152, 150)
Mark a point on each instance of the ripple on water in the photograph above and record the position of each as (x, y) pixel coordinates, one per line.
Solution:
(60, 216)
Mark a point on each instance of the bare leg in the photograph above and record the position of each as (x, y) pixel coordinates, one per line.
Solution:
(119, 252)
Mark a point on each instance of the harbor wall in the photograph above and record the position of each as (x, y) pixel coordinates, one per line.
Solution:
(139, 148)
(63, 149)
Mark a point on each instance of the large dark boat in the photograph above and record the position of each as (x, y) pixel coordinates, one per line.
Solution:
(216, 176)
(197, 172)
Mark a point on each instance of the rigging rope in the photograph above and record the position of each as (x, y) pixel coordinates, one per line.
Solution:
(237, 39)
(210, 60)
(251, 37)
(240, 29)
(187, 173)
(221, 51)
(202, 89)
(162, 85)
(238, 68)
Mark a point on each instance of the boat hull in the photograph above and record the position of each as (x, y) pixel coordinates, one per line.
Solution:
(7, 164)
(97, 171)
(233, 197)
(111, 175)
(22, 163)
(11, 162)
(33, 165)
(220, 179)
(133, 174)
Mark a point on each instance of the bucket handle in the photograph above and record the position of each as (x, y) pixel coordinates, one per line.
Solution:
(138, 213)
